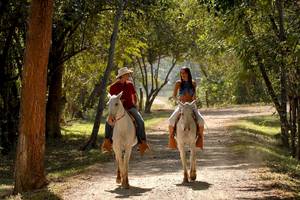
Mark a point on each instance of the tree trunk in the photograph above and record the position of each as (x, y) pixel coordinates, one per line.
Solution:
(283, 77)
(293, 120)
(54, 101)
(298, 122)
(206, 99)
(29, 164)
(9, 116)
(151, 99)
(281, 108)
(155, 88)
(9, 95)
(148, 106)
(92, 143)
(91, 99)
(141, 100)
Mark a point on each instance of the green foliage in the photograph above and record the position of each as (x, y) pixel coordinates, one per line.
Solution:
(222, 40)
(13, 16)
(263, 19)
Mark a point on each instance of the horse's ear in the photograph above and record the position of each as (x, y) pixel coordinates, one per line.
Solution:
(180, 104)
(120, 94)
(193, 103)
(108, 96)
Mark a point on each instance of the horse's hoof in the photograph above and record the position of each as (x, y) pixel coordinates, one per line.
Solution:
(185, 180)
(125, 186)
(118, 180)
(193, 177)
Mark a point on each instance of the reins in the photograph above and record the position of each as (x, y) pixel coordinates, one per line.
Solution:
(117, 119)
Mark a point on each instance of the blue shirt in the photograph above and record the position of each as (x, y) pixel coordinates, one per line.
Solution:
(186, 87)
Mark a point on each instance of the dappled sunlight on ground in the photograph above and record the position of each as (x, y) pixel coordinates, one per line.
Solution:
(221, 173)
(224, 171)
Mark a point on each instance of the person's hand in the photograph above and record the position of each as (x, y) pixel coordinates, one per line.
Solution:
(111, 121)
(175, 99)
(136, 106)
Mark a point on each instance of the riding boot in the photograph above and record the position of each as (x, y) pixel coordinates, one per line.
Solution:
(200, 136)
(143, 146)
(172, 142)
(106, 145)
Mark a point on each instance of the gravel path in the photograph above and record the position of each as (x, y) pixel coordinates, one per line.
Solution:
(221, 173)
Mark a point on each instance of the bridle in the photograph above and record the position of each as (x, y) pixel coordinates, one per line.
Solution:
(117, 119)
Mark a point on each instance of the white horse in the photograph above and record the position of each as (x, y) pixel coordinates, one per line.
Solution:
(186, 135)
(124, 137)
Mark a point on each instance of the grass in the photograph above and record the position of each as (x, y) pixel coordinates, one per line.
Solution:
(154, 118)
(63, 158)
(259, 138)
(81, 128)
(263, 125)
(43, 194)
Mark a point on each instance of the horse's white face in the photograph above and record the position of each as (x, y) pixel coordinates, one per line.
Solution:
(186, 112)
(114, 104)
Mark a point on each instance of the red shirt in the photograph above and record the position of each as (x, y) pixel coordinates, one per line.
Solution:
(128, 92)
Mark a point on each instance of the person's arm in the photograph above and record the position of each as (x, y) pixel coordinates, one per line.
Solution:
(175, 91)
(194, 96)
(134, 99)
(133, 94)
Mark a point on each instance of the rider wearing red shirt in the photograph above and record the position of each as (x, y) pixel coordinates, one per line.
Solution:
(129, 100)
(128, 97)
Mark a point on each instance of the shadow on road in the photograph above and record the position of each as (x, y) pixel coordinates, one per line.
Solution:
(195, 185)
(127, 193)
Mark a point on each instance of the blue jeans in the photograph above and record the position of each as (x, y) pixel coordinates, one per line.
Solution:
(140, 132)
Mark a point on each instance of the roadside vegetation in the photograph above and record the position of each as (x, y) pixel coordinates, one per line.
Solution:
(259, 139)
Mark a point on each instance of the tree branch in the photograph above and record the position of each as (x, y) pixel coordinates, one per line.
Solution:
(156, 73)
(141, 69)
(274, 26)
(152, 75)
(146, 76)
(70, 55)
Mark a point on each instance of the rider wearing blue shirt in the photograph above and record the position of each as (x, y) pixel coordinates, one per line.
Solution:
(187, 93)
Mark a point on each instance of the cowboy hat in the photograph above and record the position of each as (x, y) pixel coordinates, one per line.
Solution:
(123, 71)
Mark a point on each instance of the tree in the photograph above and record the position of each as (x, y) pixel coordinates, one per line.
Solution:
(29, 165)
(12, 36)
(104, 79)
(74, 24)
(223, 77)
(270, 46)
(166, 37)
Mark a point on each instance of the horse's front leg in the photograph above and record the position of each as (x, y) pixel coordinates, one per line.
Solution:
(183, 161)
(119, 162)
(193, 174)
(118, 179)
(125, 181)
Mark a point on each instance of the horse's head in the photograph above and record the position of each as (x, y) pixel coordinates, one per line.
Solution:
(186, 112)
(114, 104)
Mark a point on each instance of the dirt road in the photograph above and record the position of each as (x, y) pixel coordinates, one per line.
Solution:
(221, 173)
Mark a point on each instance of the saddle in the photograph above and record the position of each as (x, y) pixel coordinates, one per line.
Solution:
(142, 145)
(133, 120)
